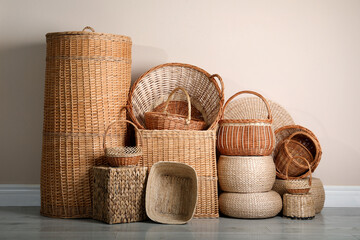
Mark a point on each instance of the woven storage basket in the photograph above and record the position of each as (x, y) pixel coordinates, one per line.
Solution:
(246, 137)
(195, 148)
(171, 193)
(119, 194)
(169, 121)
(253, 108)
(123, 156)
(312, 145)
(294, 151)
(155, 86)
(298, 206)
(250, 205)
(246, 174)
(87, 82)
(317, 191)
(298, 186)
(181, 108)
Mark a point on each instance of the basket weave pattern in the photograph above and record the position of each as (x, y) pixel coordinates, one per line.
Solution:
(298, 206)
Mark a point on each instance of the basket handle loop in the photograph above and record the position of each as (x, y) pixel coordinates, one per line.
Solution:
(122, 120)
(249, 92)
(307, 162)
(221, 84)
(88, 28)
(187, 98)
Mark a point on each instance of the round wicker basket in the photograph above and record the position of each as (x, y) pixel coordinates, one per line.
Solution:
(246, 174)
(250, 205)
(298, 206)
(298, 186)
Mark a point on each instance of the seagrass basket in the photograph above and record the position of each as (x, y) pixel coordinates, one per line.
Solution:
(123, 156)
(311, 144)
(246, 174)
(169, 121)
(246, 137)
(171, 193)
(298, 206)
(298, 186)
(291, 150)
(87, 81)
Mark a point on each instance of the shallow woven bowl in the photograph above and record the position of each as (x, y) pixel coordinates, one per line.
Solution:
(171, 193)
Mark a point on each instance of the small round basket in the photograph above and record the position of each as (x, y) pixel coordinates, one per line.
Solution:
(298, 186)
(169, 121)
(246, 137)
(298, 206)
(123, 156)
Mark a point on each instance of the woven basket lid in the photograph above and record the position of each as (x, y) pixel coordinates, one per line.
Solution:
(254, 108)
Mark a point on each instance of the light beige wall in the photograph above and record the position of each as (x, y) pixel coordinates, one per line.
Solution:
(303, 54)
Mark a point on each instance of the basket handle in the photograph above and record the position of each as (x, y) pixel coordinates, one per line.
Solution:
(187, 99)
(88, 28)
(214, 76)
(302, 158)
(121, 120)
(249, 92)
(287, 140)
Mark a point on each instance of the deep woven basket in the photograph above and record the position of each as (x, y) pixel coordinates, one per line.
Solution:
(298, 186)
(246, 137)
(291, 150)
(250, 205)
(154, 87)
(87, 81)
(298, 206)
(246, 174)
(313, 146)
(123, 156)
(168, 121)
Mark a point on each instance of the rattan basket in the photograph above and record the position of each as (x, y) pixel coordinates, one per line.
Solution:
(298, 186)
(298, 206)
(87, 81)
(250, 205)
(292, 150)
(169, 121)
(246, 137)
(171, 193)
(246, 174)
(123, 156)
(312, 145)
(154, 87)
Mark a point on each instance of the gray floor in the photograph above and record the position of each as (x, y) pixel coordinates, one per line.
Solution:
(332, 223)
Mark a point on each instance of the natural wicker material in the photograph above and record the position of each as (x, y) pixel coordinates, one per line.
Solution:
(294, 151)
(312, 145)
(246, 137)
(123, 156)
(298, 206)
(169, 121)
(250, 205)
(119, 194)
(298, 186)
(246, 174)
(317, 191)
(87, 82)
(154, 87)
(253, 108)
(171, 193)
(195, 148)
(180, 108)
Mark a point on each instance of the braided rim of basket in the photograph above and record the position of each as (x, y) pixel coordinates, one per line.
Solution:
(188, 118)
(268, 120)
(212, 79)
(128, 151)
(91, 32)
(294, 180)
(316, 142)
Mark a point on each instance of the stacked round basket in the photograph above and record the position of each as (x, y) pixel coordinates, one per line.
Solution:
(246, 169)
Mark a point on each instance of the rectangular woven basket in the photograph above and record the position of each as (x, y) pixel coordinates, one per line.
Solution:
(195, 148)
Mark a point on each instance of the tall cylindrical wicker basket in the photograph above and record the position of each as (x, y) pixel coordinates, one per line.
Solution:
(87, 83)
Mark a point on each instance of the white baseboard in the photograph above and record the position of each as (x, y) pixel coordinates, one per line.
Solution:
(29, 195)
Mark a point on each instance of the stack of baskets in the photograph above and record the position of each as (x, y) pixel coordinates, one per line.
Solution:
(246, 169)
(169, 104)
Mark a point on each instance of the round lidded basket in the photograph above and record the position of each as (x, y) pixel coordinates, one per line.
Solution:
(298, 186)
(153, 88)
(123, 156)
(246, 137)
(169, 121)
(291, 150)
(312, 145)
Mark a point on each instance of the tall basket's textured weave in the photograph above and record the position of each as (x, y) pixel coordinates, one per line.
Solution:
(87, 83)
